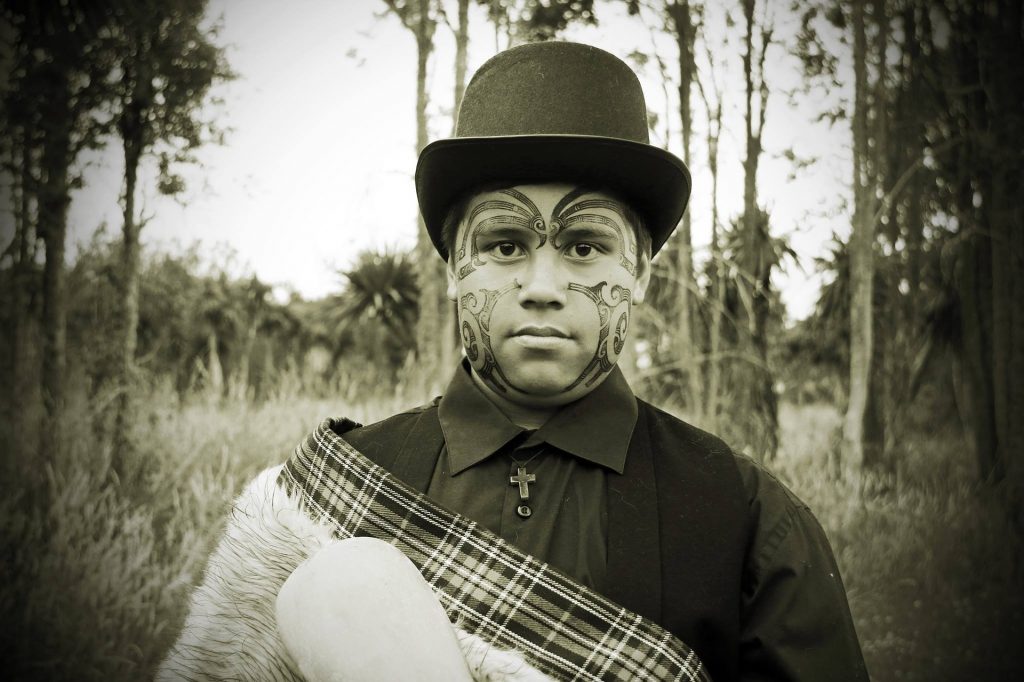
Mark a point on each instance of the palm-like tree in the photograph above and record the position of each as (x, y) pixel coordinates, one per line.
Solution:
(380, 295)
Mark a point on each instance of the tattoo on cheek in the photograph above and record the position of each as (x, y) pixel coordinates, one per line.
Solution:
(475, 315)
(613, 306)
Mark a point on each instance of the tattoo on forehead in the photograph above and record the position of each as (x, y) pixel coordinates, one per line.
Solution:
(519, 211)
(613, 305)
(524, 213)
(476, 333)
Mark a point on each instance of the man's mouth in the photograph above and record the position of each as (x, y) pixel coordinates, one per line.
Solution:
(533, 330)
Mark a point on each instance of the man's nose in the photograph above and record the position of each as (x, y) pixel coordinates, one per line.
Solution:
(544, 282)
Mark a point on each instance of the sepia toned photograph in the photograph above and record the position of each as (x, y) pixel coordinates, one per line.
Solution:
(729, 295)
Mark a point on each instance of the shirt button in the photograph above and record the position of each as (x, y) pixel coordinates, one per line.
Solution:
(524, 511)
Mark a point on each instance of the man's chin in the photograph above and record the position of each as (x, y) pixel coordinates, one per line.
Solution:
(541, 383)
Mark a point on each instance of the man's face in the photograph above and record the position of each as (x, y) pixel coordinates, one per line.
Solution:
(545, 277)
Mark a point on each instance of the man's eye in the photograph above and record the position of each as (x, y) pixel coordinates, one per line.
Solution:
(583, 250)
(505, 249)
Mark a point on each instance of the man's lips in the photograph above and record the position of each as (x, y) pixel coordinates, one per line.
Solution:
(533, 330)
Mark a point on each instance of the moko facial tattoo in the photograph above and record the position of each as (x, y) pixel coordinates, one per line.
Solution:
(545, 277)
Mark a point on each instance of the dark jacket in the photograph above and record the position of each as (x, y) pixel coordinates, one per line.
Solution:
(685, 544)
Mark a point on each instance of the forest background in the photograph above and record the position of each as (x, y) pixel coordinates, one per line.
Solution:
(145, 384)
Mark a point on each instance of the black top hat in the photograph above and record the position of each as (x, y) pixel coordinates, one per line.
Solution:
(554, 111)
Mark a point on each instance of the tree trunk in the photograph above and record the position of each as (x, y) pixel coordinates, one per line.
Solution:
(435, 343)
(239, 389)
(215, 374)
(461, 48)
(681, 248)
(53, 215)
(132, 126)
(129, 278)
(1002, 51)
(717, 306)
(21, 312)
(861, 268)
(885, 382)
(757, 383)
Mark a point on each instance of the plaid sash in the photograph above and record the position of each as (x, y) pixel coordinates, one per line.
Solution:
(486, 586)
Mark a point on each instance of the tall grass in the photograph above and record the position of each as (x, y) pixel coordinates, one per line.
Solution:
(97, 571)
(932, 567)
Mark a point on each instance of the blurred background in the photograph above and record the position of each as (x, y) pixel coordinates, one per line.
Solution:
(210, 242)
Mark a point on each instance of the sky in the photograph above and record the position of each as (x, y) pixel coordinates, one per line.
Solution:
(320, 147)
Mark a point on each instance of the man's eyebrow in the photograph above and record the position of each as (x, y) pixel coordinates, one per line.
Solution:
(592, 225)
(498, 204)
(497, 228)
(503, 222)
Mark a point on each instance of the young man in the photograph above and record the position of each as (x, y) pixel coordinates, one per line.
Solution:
(548, 206)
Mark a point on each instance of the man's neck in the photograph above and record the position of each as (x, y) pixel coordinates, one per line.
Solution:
(523, 416)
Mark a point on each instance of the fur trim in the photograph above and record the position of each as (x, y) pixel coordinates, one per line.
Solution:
(490, 664)
(231, 629)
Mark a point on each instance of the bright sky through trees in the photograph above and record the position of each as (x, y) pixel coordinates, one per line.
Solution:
(319, 157)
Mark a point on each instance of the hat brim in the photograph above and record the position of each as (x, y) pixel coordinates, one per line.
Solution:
(653, 180)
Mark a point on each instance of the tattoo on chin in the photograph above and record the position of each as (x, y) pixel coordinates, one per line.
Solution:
(611, 302)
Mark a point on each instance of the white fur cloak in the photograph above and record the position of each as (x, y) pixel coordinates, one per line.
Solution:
(231, 631)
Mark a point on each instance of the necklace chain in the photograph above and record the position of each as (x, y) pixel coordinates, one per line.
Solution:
(540, 451)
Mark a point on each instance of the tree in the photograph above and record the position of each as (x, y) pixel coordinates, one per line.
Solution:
(716, 303)
(254, 304)
(985, 107)
(877, 364)
(435, 336)
(57, 84)
(220, 321)
(377, 310)
(167, 63)
(532, 21)
(23, 279)
(757, 396)
(684, 27)
(461, 48)
(863, 439)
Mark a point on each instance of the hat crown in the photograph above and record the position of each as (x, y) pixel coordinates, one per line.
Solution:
(554, 88)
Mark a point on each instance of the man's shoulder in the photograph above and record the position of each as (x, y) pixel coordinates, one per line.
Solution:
(663, 426)
(758, 480)
(385, 432)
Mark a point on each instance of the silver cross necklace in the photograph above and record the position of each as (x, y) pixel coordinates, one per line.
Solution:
(523, 479)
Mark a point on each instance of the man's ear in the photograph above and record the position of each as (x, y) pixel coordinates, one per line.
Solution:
(643, 278)
(451, 292)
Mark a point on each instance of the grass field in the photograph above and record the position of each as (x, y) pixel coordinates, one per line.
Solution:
(96, 574)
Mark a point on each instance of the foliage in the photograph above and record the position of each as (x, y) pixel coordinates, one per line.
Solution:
(166, 63)
(934, 191)
(59, 58)
(376, 312)
(263, 347)
(530, 21)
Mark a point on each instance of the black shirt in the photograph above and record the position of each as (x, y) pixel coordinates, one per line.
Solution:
(570, 455)
(795, 622)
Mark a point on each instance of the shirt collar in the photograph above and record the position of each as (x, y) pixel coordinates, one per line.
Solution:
(597, 427)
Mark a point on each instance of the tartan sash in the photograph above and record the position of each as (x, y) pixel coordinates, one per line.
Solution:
(488, 587)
